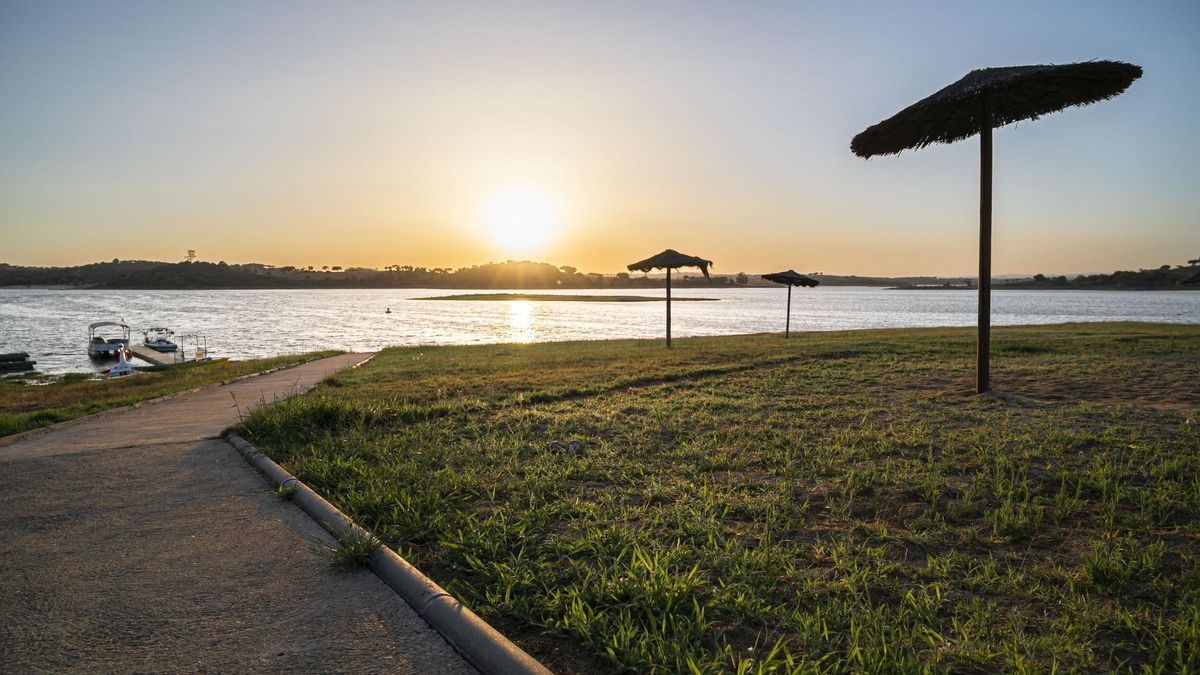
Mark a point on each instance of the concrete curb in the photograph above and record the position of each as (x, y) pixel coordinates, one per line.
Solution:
(30, 433)
(482, 645)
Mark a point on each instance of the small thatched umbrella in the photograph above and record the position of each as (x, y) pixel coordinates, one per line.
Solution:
(790, 278)
(984, 99)
(668, 260)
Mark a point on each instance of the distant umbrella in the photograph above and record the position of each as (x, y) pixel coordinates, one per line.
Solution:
(668, 260)
(981, 101)
(790, 278)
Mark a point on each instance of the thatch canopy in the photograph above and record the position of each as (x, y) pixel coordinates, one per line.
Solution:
(670, 259)
(791, 278)
(1018, 93)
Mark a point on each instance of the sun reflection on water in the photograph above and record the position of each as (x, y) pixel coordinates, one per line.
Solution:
(520, 320)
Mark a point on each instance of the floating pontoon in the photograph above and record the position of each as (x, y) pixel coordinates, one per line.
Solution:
(105, 344)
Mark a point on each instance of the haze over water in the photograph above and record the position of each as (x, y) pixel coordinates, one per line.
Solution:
(52, 324)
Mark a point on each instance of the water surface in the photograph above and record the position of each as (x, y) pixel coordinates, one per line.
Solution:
(52, 324)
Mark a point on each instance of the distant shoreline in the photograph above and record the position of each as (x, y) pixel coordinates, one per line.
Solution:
(1014, 287)
(515, 276)
(49, 287)
(548, 297)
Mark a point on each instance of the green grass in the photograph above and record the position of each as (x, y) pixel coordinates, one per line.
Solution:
(351, 552)
(26, 404)
(550, 297)
(837, 502)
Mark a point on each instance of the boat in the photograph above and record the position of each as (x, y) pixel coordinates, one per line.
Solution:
(101, 347)
(159, 339)
(123, 367)
(15, 362)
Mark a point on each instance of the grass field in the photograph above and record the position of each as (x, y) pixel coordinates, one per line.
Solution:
(837, 502)
(25, 406)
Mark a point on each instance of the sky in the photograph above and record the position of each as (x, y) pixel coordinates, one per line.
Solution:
(586, 134)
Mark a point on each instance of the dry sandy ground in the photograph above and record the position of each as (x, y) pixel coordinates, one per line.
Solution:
(137, 541)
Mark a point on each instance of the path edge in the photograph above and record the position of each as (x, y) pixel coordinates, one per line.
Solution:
(483, 646)
(38, 431)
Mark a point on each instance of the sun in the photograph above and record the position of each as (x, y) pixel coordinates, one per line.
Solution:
(520, 219)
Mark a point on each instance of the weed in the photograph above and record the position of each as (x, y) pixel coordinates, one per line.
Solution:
(352, 552)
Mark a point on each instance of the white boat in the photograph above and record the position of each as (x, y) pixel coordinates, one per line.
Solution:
(106, 344)
(159, 339)
(123, 367)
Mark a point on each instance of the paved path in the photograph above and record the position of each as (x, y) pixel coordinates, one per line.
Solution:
(138, 541)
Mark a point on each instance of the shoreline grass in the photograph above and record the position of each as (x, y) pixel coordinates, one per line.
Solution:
(837, 502)
(30, 406)
(551, 297)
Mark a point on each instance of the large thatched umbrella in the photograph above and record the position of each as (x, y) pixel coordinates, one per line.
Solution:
(984, 99)
(668, 260)
(791, 278)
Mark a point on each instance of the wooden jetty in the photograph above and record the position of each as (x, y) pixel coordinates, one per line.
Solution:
(153, 357)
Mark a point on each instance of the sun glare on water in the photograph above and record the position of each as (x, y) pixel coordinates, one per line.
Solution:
(520, 219)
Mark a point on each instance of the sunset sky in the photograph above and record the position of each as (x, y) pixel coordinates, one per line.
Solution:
(593, 135)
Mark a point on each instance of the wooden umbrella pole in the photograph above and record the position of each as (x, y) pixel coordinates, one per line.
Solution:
(787, 326)
(668, 308)
(983, 346)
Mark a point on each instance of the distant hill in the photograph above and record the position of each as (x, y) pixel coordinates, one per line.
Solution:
(141, 274)
(1165, 278)
(1158, 279)
(511, 274)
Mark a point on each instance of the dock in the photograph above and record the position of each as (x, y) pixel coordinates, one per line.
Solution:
(16, 362)
(151, 356)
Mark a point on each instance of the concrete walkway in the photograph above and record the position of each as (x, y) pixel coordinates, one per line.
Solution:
(138, 541)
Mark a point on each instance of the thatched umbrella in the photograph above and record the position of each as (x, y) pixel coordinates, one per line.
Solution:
(981, 101)
(790, 278)
(668, 260)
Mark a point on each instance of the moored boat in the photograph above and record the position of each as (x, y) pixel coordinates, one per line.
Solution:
(159, 339)
(123, 367)
(100, 346)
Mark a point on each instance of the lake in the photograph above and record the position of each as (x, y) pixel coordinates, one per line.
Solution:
(52, 324)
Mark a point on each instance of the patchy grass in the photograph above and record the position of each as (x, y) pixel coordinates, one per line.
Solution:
(837, 502)
(351, 552)
(25, 405)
